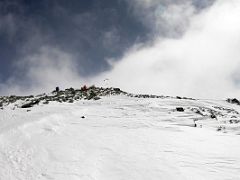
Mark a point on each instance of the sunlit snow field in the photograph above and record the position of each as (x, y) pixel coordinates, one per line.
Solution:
(120, 138)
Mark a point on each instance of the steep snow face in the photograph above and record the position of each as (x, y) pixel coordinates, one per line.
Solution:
(120, 137)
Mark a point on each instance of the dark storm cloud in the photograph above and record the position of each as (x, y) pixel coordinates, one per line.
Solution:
(166, 18)
(48, 43)
(91, 31)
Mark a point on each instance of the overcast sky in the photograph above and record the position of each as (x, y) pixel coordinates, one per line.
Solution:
(184, 47)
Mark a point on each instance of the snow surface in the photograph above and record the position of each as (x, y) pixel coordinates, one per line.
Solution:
(120, 138)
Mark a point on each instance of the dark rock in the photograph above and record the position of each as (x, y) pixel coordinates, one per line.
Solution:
(96, 98)
(70, 101)
(180, 109)
(117, 89)
(233, 101)
(92, 87)
(234, 121)
(219, 128)
(83, 117)
(91, 95)
(213, 116)
(31, 104)
(199, 112)
(71, 89)
(46, 102)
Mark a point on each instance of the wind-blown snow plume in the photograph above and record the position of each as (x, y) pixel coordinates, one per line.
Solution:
(204, 62)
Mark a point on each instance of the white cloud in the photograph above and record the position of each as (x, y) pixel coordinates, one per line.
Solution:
(202, 63)
(164, 17)
(44, 71)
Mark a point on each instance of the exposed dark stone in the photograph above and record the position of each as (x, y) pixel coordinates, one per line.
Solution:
(180, 109)
(83, 117)
(219, 128)
(46, 102)
(233, 101)
(213, 116)
(234, 121)
(70, 101)
(117, 89)
(71, 90)
(96, 98)
(91, 95)
(199, 112)
(31, 104)
(57, 89)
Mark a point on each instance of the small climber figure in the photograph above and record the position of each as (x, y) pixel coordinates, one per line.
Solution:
(84, 88)
(57, 89)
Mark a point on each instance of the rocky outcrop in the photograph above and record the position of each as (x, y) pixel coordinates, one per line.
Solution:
(233, 101)
(30, 104)
(180, 109)
(70, 95)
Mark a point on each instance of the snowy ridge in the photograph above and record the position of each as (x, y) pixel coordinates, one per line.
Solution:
(123, 136)
(70, 95)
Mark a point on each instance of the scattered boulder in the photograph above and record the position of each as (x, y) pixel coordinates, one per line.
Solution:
(46, 102)
(180, 109)
(70, 101)
(91, 95)
(198, 112)
(235, 121)
(233, 101)
(220, 128)
(117, 89)
(213, 116)
(96, 98)
(31, 104)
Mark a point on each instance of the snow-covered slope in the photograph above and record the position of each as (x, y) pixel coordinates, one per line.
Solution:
(121, 138)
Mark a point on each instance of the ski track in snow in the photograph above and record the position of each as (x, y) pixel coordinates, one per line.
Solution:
(120, 138)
